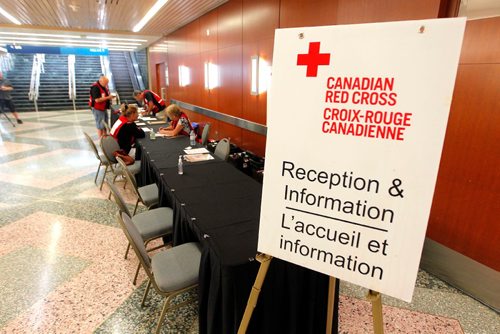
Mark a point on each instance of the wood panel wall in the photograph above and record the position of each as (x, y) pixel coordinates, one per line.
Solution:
(466, 207)
(234, 32)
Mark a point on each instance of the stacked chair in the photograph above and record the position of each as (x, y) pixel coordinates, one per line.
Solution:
(108, 146)
(103, 161)
(171, 272)
(147, 195)
(152, 224)
(222, 149)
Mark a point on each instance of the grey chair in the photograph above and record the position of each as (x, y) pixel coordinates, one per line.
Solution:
(100, 156)
(171, 272)
(152, 224)
(108, 146)
(204, 134)
(222, 149)
(147, 195)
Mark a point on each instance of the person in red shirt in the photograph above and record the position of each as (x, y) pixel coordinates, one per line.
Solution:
(153, 103)
(180, 124)
(125, 131)
(99, 101)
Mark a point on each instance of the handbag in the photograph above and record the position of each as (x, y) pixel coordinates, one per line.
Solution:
(124, 156)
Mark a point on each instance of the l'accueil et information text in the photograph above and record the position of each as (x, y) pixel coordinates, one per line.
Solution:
(301, 203)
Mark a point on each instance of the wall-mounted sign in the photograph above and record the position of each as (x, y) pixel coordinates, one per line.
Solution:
(57, 50)
(356, 121)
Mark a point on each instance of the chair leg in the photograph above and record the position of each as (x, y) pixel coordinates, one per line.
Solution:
(103, 177)
(128, 249)
(97, 173)
(136, 273)
(136, 205)
(146, 293)
(162, 315)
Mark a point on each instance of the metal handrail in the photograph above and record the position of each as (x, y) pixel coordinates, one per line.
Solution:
(134, 71)
(106, 70)
(6, 62)
(72, 80)
(36, 70)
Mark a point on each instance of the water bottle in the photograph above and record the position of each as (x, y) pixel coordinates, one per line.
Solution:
(180, 169)
(192, 139)
(152, 134)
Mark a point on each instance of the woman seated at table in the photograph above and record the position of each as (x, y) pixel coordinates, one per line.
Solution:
(125, 131)
(180, 124)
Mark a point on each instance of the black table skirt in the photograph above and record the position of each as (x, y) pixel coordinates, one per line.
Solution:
(219, 206)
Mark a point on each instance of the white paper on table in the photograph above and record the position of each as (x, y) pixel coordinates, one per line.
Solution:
(148, 118)
(146, 129)
(198, 157)
(196, 150)
(140, 123)
(161, 135)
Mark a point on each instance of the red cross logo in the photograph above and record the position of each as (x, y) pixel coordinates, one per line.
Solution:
(313, 59)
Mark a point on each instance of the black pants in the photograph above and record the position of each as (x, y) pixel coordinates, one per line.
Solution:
(7, 104)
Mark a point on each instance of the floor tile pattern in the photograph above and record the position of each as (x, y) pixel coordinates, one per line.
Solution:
(62, 268)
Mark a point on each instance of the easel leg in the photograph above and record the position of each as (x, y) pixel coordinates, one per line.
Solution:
(378, 321)
(265, 261)
(331, 304)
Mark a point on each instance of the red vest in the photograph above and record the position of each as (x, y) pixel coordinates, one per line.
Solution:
(174, 125)
(158, 99)
(99, 105)
(117, 126)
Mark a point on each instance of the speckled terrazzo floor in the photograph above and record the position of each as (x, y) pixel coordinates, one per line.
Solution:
(61, 252)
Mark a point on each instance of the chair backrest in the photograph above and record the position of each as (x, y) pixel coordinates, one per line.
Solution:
(136, 241)
(92, 145)
(222, 149)
(204, 134)
(128, 175)
(108, 146)
(118, 198)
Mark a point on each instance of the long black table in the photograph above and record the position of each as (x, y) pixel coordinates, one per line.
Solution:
(219, 206)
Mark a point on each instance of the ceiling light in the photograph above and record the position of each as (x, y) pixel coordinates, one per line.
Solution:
(9, 17)
(63, 43)
(118, 39)
(67, 40)
(151, 12)
(33, 34)
(119, 49)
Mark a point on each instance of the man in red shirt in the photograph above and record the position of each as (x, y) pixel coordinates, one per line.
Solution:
(153, 103)
(99, 100)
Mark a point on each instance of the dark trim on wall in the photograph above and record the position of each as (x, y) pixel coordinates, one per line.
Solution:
(471, 277)
(236, 121)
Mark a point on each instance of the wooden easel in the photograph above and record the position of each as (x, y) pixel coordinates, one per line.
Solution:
(265, 262)
(378, 322)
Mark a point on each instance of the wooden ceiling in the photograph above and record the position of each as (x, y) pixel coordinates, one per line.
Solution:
(106, 16)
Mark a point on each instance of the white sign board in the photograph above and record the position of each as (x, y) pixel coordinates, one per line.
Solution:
(356, 120)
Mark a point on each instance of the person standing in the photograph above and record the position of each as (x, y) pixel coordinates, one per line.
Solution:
(153, 103)
(100, 102)
(6, 98)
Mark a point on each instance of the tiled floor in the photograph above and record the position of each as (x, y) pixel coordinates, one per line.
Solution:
(61, 253)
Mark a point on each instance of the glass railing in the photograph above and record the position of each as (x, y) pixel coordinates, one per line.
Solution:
(6, 62)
